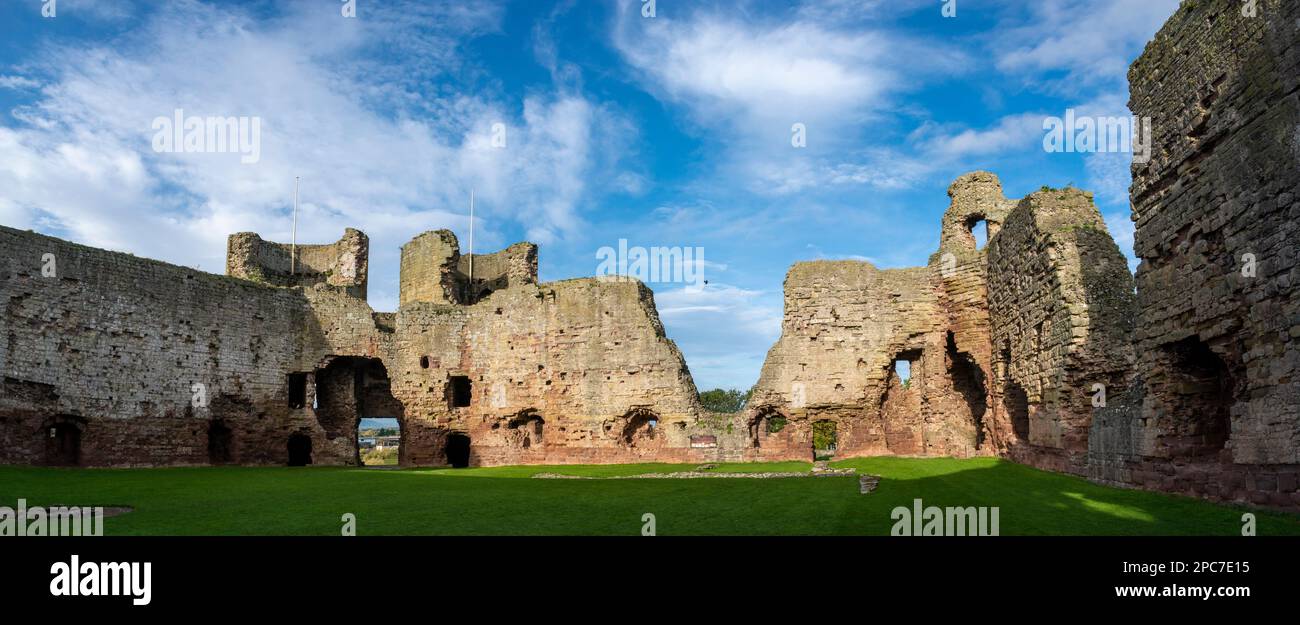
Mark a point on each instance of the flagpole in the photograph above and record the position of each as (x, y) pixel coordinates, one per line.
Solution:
(293, 246)
(471, 238)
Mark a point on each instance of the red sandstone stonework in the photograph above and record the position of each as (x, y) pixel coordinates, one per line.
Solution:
(122, 361)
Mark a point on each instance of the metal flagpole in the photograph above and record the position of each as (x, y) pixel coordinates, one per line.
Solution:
(471, 239)
(293, 246)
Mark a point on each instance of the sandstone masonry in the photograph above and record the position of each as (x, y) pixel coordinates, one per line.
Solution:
(1041, 347)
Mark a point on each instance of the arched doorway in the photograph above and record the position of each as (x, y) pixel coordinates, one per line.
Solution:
(639, 427)
(527, 429)
(299, 450)
(457, 450)
(767, 420)
(355, 402)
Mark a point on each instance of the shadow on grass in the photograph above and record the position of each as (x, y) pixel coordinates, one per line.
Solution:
(1038, 502)
(503, 501)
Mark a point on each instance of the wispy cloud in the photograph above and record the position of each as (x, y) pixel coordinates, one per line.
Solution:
(723, 330)
(1084, 43)
(81, 158)
(746, 78)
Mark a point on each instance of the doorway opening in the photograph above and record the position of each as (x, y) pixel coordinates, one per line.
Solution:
(458, 450)
(299, 450)
(220, 442)
(968, 379)
(63, 444)
(356, 402)
(380, 441)
(825, 440)
(1199, 388)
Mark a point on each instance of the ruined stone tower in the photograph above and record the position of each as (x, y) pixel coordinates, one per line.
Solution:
(1041, 347)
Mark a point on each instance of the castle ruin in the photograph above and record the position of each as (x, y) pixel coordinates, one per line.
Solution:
(1041, 347)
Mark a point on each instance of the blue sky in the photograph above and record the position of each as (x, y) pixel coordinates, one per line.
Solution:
(670, 131)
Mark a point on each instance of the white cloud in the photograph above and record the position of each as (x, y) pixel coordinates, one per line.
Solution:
(723, 330)
(1091, 41)
(80, 157)
(1020, 132)
(789, 72)
(746, 76)
(17, 83)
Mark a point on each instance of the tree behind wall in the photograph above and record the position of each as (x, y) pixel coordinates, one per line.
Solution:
(724, 400)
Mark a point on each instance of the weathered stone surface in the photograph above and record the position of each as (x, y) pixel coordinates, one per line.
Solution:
(1215, 407)
(1062, 307)
(1036, 348)
(1190, 384)
(341, 264)
(847, 324)
(127, 361)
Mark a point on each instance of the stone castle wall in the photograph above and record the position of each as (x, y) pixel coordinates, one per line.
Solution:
(563, 372)
(340, 264)
(101, 360)
(848, 323)
(1040, 347)
(1216, 408)
(1062, 307)
(113, 346)
(434, 271)
(844, 323)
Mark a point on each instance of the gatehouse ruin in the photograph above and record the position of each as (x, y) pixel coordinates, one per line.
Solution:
(1040, 347)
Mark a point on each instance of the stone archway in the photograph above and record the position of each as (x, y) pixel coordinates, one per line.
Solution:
(766, 420)
(527, 429)
(349, 389)
(640, 427)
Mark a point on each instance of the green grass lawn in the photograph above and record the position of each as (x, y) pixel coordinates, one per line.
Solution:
(505, 501)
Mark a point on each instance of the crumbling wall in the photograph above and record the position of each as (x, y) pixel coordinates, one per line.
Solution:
(846, 326)
(1217, 209)
(1061, 304)
(428, 269)
(844, 322)
(563, 372)
(434, 271)
(142, 356)
(103, 357)
(959, 270)
(342, 264)
(481, 275)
